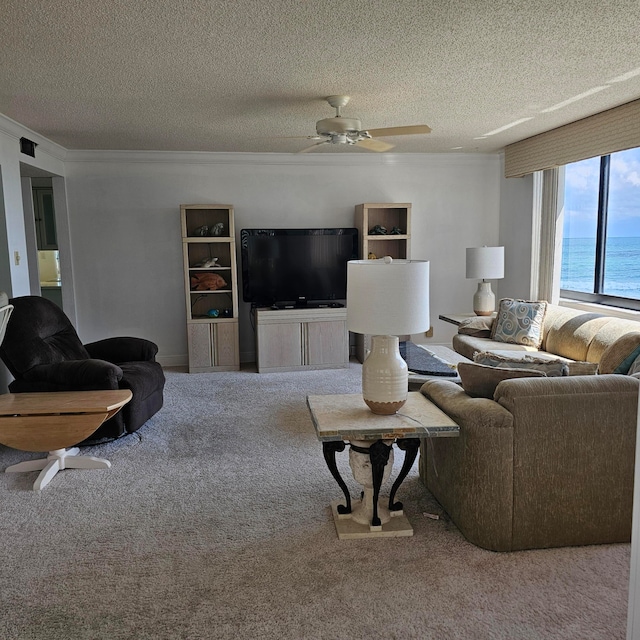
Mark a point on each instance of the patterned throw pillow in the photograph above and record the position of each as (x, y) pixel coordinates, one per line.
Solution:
(519, 322)
(550, 367)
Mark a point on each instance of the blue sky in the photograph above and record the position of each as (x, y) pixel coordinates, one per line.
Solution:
(581, 196)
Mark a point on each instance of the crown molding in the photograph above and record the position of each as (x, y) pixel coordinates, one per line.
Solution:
(289, 159)
(14, 129)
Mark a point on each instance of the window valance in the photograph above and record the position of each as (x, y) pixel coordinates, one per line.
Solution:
(603, 133)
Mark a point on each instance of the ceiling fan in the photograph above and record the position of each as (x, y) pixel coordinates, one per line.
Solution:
(339, 130)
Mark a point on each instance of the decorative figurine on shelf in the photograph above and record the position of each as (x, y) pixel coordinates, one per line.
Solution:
(217, 229)
(213, 313)
(378, 230)
(207, 262)
(206, 282)
(202, 231)
(396, 231)
(372, 256)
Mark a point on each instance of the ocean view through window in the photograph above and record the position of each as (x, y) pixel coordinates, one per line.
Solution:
(601, 231)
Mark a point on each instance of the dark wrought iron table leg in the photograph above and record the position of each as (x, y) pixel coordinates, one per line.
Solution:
(329, 449)
(410, 446)
(379, 454)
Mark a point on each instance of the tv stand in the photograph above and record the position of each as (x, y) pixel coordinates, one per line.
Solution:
(310, 305)
(301, 338)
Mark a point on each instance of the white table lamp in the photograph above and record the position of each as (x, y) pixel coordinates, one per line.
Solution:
(387, 298)
(485, 263)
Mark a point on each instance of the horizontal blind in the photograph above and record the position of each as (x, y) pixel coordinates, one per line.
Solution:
(612, 130)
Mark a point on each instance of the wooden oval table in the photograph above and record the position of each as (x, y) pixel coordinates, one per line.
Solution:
(54, 421)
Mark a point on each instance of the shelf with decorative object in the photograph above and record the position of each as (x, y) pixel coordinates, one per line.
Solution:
(384, 229)
(211, 287)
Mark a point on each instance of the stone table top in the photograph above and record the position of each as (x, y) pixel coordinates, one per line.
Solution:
(347, 417)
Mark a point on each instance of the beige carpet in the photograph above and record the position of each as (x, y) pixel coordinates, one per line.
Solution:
(214, 522)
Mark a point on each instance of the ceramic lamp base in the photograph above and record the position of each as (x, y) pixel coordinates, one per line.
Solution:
(484, 300)
(385, 376)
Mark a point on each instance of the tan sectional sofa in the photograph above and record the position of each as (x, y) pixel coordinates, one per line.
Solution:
(567, 334)
(546, 462)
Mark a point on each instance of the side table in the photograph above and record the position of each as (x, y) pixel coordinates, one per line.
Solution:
(53, 421)
(342, 419)
(458, 318)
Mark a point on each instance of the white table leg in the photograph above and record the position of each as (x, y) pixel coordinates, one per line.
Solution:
(53, 466)
(28, 465)
(56, 461)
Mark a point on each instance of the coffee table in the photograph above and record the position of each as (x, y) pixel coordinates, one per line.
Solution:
(341, 419)
(53, 421)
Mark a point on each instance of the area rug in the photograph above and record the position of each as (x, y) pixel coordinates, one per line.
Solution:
(422, 361)
(214, 522)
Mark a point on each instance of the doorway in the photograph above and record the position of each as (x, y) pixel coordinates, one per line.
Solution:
(48, 238)
(44, 213)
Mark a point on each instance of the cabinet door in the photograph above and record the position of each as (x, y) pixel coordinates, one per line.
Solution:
(279, 345)
(326, 343)
(225, 344)
(200, 348)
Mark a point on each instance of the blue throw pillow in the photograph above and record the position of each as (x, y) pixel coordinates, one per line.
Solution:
(519, 322)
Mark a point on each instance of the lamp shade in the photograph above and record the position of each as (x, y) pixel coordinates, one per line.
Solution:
(485, 263)
(388, 297)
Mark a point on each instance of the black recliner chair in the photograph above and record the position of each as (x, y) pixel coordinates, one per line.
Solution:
(43, 352)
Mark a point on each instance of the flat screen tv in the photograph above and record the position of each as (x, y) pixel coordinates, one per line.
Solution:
(286, 267)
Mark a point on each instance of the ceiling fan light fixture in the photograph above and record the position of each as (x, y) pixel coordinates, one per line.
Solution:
(337, 125)
(339, 130)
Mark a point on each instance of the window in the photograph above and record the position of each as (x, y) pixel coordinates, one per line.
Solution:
(601, 234)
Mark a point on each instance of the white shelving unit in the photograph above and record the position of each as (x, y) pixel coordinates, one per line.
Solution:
(212, 339)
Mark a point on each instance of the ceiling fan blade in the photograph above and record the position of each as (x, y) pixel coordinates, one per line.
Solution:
(374, 145)
(399, 131)
(295, 137)
(313, 146)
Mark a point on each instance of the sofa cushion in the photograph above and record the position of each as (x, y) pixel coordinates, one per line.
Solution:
(480, 326)
(550, 366)
(556, 317)
(619, 357)
(480, 381)
(469, 345)
(577, 337)
(519, 322)
(576, 368)
(609, 333)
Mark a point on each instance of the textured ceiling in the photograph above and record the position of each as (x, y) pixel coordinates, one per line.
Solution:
(234, 75)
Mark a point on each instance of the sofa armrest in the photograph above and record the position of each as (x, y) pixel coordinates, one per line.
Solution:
(572, 393)
(124, 349)
(573, 450)
(471, 476)
(463, 409)
(75, 375)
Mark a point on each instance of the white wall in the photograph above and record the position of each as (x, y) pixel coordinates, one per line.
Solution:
(516, 235)
(125, 225)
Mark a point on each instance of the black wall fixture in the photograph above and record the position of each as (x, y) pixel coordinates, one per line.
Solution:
(28, 147)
